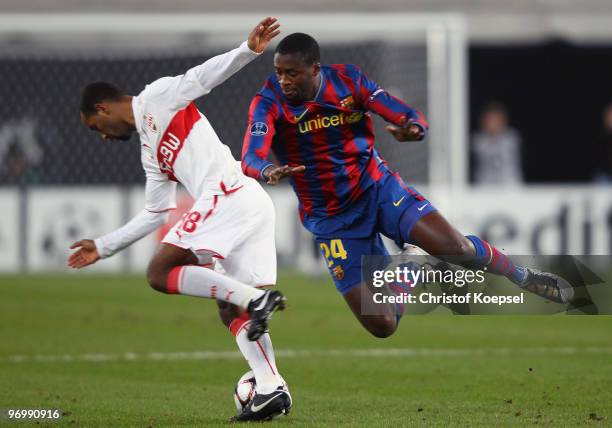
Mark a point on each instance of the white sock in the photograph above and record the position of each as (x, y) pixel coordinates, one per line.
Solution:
(259, 355)
(203, 282)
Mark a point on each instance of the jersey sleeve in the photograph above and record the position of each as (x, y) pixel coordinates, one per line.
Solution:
(160, 197)
(178, 91)
(160, 194)
(140, 226)
(379, 101)
(260, 131)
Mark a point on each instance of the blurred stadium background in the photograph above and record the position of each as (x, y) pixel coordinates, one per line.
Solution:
(547, 62)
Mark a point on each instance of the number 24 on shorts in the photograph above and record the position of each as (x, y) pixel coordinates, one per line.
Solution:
(336, 251)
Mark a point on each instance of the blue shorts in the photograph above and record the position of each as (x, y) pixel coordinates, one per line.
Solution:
(389, 207)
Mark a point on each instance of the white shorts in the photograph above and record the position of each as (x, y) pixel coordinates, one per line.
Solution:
(236, 229)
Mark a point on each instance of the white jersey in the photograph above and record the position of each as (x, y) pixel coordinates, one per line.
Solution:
(178, 144)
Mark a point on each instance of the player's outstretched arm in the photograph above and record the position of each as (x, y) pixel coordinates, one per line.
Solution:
(263, 113)
(90, 251)
(406, 123)
(274, 174)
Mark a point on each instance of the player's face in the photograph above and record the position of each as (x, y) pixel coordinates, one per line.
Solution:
(106, 123)
(297, 79)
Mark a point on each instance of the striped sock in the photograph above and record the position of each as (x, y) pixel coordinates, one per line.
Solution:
(496, 262)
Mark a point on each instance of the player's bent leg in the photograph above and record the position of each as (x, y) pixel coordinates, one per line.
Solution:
(421, 224)
(343, 256)
(173, 270)
(380, 326)
(436, 236)
(167, 258)
(165, 275)
(272, 394)
(252, 260)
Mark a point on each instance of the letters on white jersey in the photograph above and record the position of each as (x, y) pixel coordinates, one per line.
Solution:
(173, 139)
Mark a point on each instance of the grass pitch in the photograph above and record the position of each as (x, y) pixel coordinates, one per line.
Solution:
(108, 351)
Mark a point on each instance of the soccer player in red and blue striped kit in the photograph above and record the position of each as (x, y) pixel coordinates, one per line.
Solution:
(316, 120)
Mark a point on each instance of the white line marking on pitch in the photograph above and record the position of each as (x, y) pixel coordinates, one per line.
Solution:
(288, 353)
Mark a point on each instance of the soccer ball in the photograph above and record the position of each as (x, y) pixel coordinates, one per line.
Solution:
(245, 390)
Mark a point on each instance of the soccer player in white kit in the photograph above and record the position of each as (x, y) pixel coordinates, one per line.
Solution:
(232, 219)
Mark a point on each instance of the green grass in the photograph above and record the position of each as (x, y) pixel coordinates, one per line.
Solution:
(82, 314)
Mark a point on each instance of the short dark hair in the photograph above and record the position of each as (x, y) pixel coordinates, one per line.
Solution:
(98, 92)
(302, 44)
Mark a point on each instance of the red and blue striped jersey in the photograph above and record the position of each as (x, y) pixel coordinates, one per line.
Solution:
(332, 136)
